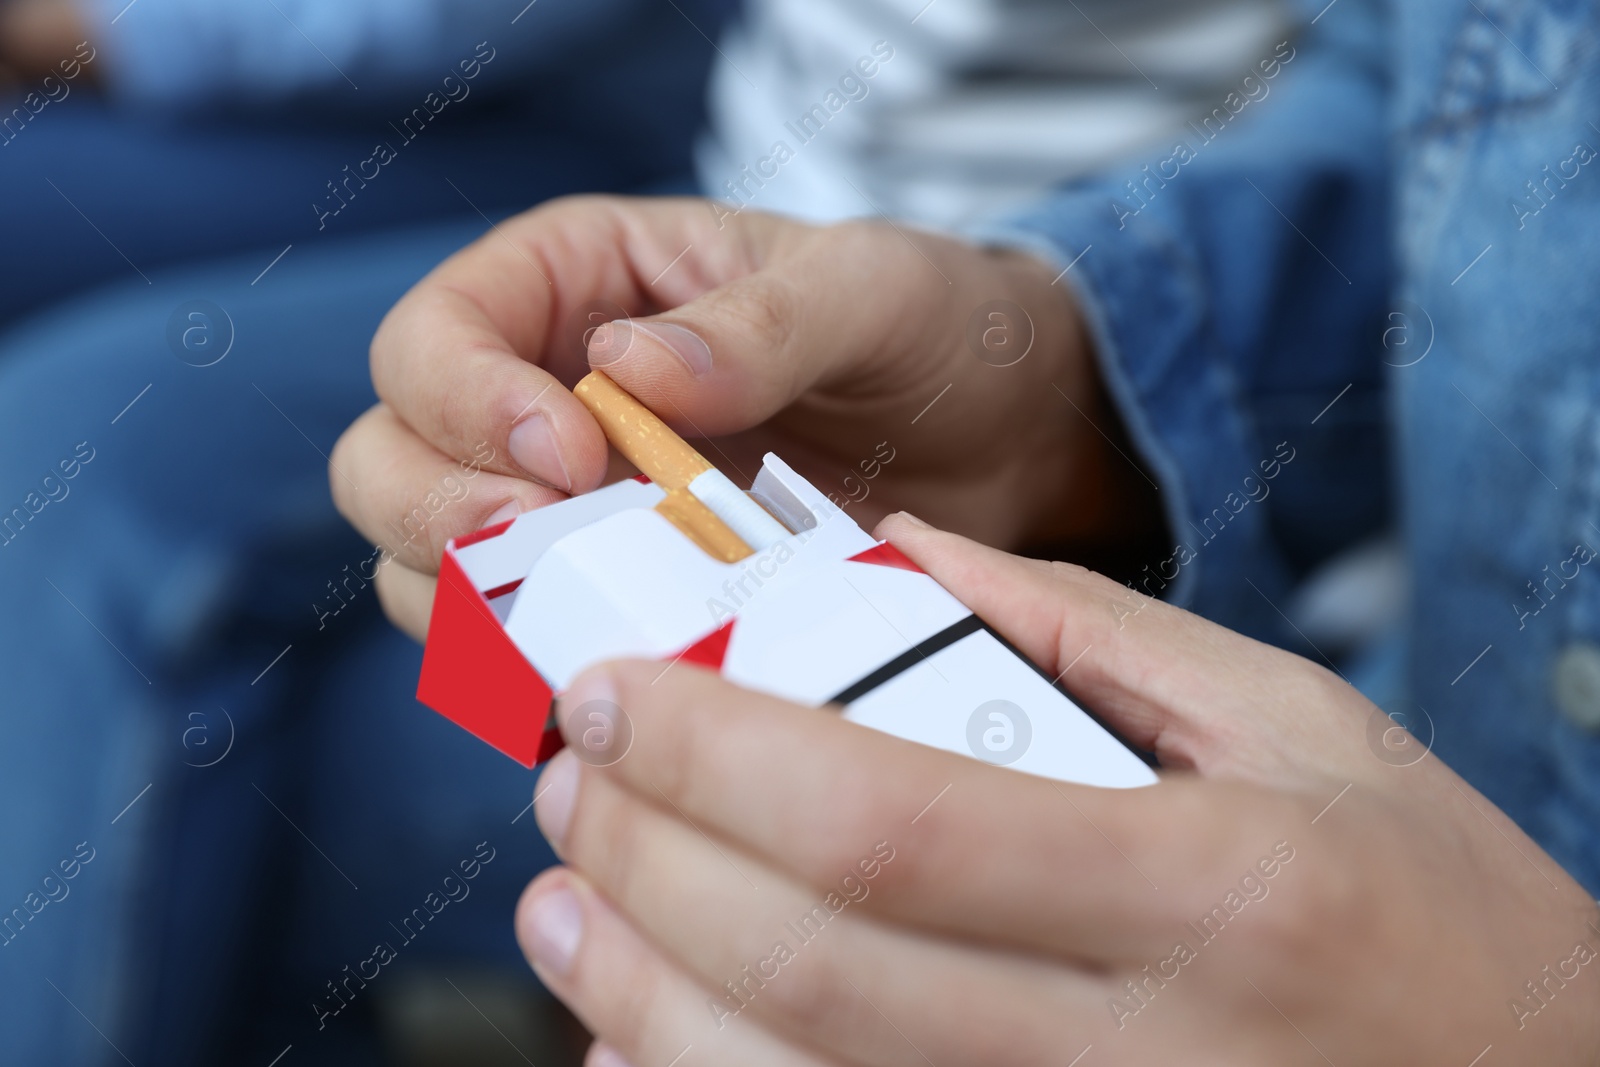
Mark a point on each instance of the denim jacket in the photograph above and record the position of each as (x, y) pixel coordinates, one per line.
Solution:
(1364, 277)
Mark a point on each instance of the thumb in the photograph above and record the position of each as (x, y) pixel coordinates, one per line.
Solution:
(821, 306)
(1193, 692)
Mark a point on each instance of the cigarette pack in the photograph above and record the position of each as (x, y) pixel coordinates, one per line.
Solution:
(826, 616)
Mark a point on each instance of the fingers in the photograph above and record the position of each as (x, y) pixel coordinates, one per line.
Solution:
(438, 361)
(407, 598)
(474, 354)
(625, 991)
(808, 959)
(801, 788)
(715, 325)
(411, 499)
(477, 353)
(806, 306)
(1193, 692)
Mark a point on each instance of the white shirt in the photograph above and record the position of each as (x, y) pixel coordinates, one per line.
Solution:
(979, 107)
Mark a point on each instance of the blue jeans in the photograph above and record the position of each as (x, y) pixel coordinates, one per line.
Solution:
(92, 192)
(216, 800)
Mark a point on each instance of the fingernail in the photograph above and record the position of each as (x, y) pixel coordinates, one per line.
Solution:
(606, 1056)
(554, 795)
(533, 446)
(684, 343)
(611, 342)
(913, 520)
(554, 926)
(508, 510)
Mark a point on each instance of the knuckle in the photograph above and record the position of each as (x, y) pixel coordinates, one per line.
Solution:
(609, 840)
(573, 204)
(479, 399)
(766, 307)
(419, 536)
(504, 392)
(458, 407)
(1081, 585)
(1075, 574)
(873, 244)
(861, 237)
(1326, 907)
(1329, 690)
(814, 999)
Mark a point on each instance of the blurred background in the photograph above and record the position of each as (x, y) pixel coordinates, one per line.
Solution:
(277, 855)
(208, 208)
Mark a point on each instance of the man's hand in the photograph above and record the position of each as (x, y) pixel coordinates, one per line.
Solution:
(845, 348)
(764, 883)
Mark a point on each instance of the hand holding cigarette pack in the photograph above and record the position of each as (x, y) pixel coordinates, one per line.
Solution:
(777, 588)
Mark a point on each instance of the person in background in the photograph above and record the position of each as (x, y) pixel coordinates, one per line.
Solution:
(134, 136)
(944, 114)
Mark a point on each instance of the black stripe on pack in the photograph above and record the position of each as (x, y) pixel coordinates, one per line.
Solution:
(949, 636)
(909, 658)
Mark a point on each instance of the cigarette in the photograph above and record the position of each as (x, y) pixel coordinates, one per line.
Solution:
(636, 432)
(670, 462)
(753, 523)
(700, 524)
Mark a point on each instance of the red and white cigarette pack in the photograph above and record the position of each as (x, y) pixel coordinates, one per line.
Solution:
(825, 616)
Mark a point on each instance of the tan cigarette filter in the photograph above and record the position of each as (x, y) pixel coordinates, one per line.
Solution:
(635, 431)
(700, 524)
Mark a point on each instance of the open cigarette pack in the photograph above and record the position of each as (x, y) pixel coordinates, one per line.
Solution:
(819, 613)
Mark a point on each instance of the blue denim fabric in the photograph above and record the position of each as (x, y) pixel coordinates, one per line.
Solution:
(1500, 423)
(1230, 299)
(96, 190)
(364, 56)
(166, 607)
(1261, 295)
